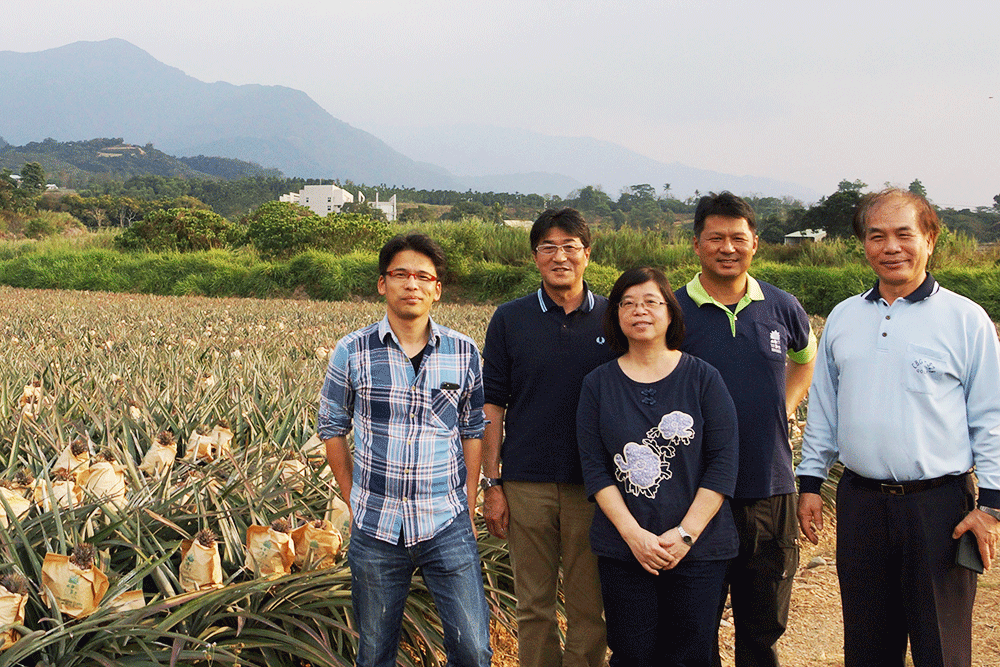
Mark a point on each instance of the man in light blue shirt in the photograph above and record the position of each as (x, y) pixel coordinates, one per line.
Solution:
(413, 392)
(906, 393)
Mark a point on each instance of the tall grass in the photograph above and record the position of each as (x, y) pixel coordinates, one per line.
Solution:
(486, 262)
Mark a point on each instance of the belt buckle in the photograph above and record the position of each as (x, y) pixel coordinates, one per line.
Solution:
(893, 489)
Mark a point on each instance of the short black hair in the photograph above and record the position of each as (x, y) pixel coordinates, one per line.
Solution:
(567, 219)
(421, 243)
(612, 327)
(725, 204)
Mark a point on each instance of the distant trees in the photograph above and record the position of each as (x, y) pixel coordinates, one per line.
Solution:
(33, 178)
(180, 229)
(282, 229)
(835, 212)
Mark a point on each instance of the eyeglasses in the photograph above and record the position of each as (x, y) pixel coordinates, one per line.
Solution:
(648, 304)
(571, 249)
(402, 275)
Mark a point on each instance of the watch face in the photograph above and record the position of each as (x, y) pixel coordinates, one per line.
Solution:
(687, 540)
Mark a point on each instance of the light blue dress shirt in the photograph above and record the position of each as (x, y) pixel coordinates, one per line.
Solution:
(908, 391)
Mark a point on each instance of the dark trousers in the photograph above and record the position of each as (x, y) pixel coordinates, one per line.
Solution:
(660, 619)
(760, 577)
(898, 578)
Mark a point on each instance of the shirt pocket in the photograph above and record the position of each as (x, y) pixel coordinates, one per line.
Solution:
(772, 340)
(925, 369)
(444, 407)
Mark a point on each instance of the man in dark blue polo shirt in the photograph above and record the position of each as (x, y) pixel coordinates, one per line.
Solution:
(759, 338)
(538, 348)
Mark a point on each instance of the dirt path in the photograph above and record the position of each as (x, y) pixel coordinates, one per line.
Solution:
(815, 633)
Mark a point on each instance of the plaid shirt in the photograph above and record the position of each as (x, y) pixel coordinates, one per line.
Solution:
(409, 466)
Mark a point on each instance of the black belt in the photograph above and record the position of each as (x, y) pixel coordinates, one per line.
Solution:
(894, 488)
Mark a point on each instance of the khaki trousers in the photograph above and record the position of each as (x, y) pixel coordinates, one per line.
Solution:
(549, 524)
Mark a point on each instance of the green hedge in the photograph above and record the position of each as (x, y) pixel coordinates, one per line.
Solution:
(327, 276)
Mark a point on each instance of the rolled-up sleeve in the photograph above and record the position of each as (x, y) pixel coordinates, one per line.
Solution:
(336, 400)
(472, 423)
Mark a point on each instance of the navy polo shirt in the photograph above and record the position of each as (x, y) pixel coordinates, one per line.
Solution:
(749, 347)
(534, 360)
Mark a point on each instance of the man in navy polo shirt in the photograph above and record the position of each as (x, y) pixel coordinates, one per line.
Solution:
(538, 348)
(760, 340)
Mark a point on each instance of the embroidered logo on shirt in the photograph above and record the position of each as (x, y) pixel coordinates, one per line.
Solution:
(641, 467)
(600, 340)
(923, 366)
(775, 342)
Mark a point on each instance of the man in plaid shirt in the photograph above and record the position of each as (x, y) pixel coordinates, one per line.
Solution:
(413, 391)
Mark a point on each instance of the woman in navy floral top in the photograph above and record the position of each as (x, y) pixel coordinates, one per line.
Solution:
(659, 448)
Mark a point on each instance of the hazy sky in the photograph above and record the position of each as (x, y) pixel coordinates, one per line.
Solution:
(807, 92)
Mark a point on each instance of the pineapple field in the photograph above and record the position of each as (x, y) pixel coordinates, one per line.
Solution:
(164, 497)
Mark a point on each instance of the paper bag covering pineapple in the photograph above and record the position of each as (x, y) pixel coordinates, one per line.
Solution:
(128, 601)
(13, 598)
(209, 445)
(160, 456)
(270, 549)
(31, 399)
(105, 479)
(75, 458)
(19, 505)
(339, 513)
(315, 451)
(293, 473)
(200, 445)
(63, 488)
(73, 581)
(201, 565)
(193, 485)
(223, 436)
(317, 545)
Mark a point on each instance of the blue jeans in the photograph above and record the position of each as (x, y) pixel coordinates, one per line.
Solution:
(664, 620)
(380, 583)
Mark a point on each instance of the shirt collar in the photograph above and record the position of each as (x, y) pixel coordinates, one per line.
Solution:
(927, 288)
(700, 296)
(545, 301)
(385, 330)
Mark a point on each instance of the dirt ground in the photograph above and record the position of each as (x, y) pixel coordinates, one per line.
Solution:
(815, 632)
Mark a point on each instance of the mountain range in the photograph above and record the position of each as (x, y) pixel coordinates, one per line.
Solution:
(112, 88)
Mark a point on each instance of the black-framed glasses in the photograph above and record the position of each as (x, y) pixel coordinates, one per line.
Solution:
(402, 275)
(571, 249)
(648, 304)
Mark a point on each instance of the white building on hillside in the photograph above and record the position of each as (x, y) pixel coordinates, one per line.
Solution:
(323, 199)
(387, 207)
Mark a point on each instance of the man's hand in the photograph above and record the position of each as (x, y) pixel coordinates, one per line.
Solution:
(495, 511)
(811, 515)
(987, 532)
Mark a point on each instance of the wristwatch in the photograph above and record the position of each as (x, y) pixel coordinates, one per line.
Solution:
(490, 482)
(992, 511)
(685, 536)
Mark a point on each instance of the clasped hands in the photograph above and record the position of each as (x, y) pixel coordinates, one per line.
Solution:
(657, 552)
